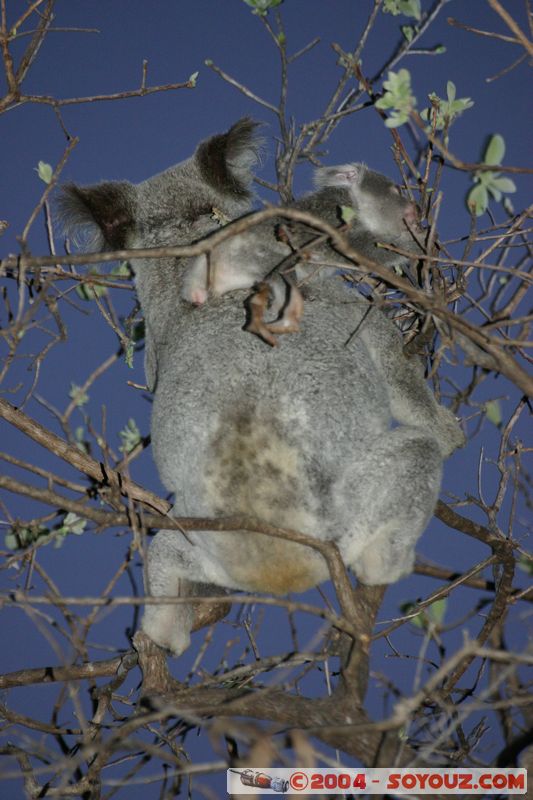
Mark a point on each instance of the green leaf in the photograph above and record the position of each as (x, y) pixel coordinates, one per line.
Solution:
(494, 191)
(11, 541)
(489, 182)
(348, 214)
(44, 171)
(410, 8)
(503, 184)
(414, 9)
(495, 150)
(72, 524)
(450, 91)
(430, 617)
(437, 611)
(478, 199)
(408, 32)
(193, 78)
(418, 620)
(75, 524)
(493, 412)
(396, 119)
(79, 437)
(130, 437)
(88, 291)
(77, 394)
(507, 204)
(123, 269)
(129, 351)
(446, 111)
(261, 7)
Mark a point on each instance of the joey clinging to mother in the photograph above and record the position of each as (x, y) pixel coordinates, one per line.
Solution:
(335, 434)
(278, 264)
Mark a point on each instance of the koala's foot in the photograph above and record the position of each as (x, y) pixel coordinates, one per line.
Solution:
(289, 322)
(209, 613)
(198, 296)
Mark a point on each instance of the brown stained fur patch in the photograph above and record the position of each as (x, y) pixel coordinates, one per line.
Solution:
(264, 564)
(254, 470)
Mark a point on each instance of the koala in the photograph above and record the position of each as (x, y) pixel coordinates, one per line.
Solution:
(381, 214)
(336, 434)
(165, 210)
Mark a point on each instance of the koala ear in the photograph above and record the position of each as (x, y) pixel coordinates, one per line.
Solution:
(343, 175)
(103, 213)
(225, 161)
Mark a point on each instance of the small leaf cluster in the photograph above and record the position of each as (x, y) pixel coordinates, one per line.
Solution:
(429, 618)
(261, 7)
(130, 437)
(489, 182)
(135, 332)
(90, 291)
(443, 112)
(409, 8)
(72, 524)
(77, 394)
(19, 537)
(398, 96)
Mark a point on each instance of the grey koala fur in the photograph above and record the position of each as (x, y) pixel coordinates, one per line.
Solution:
(299, 437)
(381, 215)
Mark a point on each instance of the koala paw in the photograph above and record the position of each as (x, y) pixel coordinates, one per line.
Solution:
(198, 297)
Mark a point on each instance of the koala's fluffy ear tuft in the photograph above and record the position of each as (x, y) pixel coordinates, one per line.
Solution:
(103, 213)
(226, 160)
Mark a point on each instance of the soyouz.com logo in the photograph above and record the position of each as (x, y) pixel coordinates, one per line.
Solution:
(253, 780)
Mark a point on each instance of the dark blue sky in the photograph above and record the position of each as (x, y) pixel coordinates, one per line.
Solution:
(133, 139)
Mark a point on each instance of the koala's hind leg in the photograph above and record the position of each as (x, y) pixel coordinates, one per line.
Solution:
(396, 488)
(196, 280)
(172, 562)
(289, 317)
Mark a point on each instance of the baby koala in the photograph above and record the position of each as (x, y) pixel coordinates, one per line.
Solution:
(256, 257)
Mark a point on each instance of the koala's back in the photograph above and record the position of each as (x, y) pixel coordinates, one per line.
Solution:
(265, 432)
